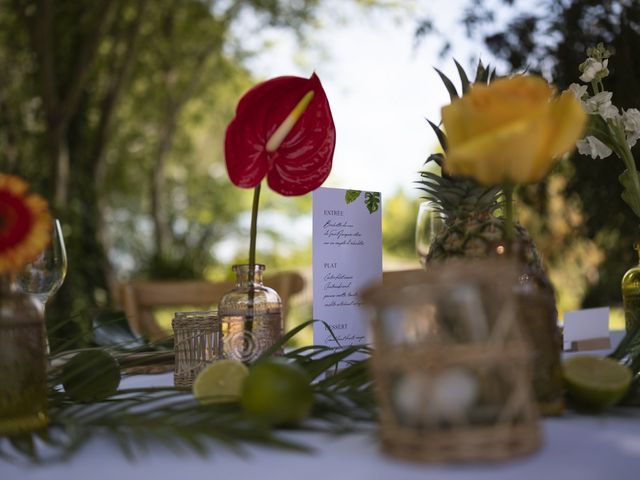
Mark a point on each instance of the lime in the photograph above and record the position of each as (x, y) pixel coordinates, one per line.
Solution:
(595, 382)
(91, 375)
(278, 392)
(220, 382)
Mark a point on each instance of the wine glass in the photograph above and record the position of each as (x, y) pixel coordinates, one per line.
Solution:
(43, 276)
(429, 223)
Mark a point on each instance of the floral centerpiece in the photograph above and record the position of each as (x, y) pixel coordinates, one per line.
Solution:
(24, 232)
(498, 134)
(24, 224)
(510, 132)
(283, 130)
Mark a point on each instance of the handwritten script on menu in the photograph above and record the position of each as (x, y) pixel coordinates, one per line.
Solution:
(340, 232)
(347, 255)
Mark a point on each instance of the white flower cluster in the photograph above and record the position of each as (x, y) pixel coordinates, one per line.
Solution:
(594, 69)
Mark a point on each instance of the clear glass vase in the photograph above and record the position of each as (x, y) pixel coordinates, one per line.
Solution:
(250, 315)
(23, 389)
(631, 295)
(538, 318)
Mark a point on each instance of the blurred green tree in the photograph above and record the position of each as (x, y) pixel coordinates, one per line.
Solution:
(115, 111)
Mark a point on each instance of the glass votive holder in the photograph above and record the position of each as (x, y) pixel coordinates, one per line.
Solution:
(451, 366)
(197, 343)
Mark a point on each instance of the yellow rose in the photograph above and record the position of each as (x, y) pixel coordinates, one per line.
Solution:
(513, 129)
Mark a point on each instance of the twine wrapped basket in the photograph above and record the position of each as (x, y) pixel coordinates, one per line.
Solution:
(197, 343)
(451, 366)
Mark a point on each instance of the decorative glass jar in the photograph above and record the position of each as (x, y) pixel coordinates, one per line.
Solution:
(631, 295)
(250, 315)
(23, 389)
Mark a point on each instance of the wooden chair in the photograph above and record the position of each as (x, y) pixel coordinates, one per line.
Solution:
(139, 299)
(395, 275)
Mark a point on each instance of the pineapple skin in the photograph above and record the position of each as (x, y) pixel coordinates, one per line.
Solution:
(483, 236)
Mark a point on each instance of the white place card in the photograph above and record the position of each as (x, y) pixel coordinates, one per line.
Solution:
(347, 256)
(586, 329)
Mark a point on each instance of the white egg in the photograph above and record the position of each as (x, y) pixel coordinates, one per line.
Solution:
(453, 392)
(410, 395)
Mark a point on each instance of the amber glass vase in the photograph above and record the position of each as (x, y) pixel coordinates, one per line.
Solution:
(23, 389)
(631, 295)
(250, 315)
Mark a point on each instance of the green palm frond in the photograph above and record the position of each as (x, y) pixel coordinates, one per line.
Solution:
(138, 419)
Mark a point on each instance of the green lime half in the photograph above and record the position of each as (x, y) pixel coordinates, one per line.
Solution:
(595, 382)
(91, 375)
(220, 382)
(278, 392)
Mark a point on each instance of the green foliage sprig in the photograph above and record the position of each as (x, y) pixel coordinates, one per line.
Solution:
(137, 419)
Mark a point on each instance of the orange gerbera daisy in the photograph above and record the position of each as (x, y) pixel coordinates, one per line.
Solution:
(25, 224)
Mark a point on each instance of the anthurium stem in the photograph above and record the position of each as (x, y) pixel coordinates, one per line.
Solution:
(507, 188)
(254, 226)
(248, 323)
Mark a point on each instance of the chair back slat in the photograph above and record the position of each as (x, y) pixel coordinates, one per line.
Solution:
(139, 299)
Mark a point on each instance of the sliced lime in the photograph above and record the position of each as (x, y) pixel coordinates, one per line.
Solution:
(595, 382)
(220, 382)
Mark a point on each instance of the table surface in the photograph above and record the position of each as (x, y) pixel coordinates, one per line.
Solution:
(574, 447)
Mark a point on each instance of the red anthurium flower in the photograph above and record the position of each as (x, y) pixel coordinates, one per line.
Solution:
(283, 129)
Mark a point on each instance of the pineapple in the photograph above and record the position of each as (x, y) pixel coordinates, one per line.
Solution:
(472, 227)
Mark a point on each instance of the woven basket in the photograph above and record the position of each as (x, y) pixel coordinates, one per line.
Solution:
(197, 343)
(451, 366)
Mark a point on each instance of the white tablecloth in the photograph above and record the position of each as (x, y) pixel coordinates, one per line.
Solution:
(575, 447)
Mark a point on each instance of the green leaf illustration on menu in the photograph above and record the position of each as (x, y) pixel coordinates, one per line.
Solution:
(371, 199)
(351, 195)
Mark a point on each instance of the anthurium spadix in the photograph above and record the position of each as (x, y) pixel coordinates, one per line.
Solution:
(283, 130)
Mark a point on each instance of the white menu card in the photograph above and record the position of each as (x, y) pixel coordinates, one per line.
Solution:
(586, 329)
(347, 256)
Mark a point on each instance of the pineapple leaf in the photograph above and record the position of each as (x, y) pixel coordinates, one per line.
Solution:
(480, 72)
(438, 158)
(453, 93)
(492, 76)
(431, 176)
(464, 80)
(442, 138)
